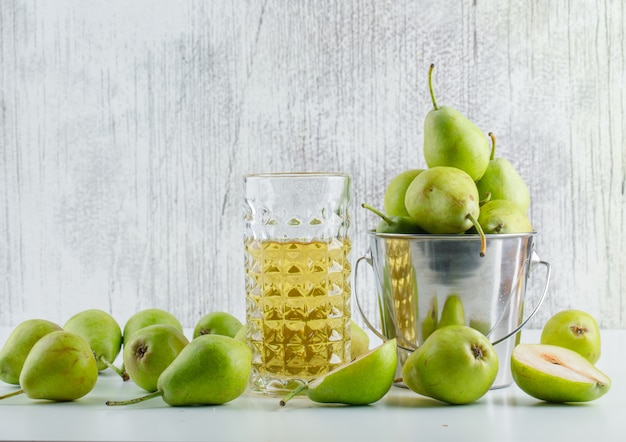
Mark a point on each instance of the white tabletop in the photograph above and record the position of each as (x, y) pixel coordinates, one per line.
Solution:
(506, 414)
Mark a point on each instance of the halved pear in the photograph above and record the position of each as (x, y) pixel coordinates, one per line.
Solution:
(557, 374)
(363, 381)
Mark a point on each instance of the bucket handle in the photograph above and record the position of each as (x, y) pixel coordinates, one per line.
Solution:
(534, 262)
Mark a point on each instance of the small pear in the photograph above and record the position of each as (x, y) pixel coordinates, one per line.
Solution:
(147, 317)
(242, 334)
(211, 370)
(503, 216)
(59, 367)
(103, 334)
(557, 374)
(576, 330)
(444, 200)
(430, 322)
(396, 190)
(220, 323)
(359, 340)
(360, 382)
(19, 344)
(453, 312)
(450, 139)
(502, 182)
(150, 351)
(394, 224)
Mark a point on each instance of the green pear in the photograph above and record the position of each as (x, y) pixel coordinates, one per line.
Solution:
(396, 190)
(503, 216)
(59, 367)
(452, 313)
(394, 224)
(103, 334)
(502, 182)
(556, 374)
(213, 369)
(150, 351)
(19, 344)
(359, 340)
(456, 364)
(220, 323)
(444, 200)
(576, 330)
(431, 320)
(360, 382)
(147, 317)
(450, 139)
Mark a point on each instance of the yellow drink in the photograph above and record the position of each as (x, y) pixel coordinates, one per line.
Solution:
(297, 308)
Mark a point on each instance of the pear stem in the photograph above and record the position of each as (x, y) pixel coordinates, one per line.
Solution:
(136, 400)
(493, 145)
(430, 86)
(486, 200)
(121, 373)
(379, 213)
(14, 393)
(291, 394)
(483, 239)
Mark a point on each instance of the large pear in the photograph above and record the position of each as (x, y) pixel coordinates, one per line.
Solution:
(450, 139)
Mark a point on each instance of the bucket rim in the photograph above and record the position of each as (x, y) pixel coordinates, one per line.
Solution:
(449, 236)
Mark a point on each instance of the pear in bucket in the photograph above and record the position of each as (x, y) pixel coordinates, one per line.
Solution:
(396, 190)
(452, 313)
(19, 344)
(503, 216)
(212, 370)
(445, 200)
(102, 333)
(59, 367)
(450, 139)
(363, 381)
(502, 182)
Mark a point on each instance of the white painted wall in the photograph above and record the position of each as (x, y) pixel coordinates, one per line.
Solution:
(126, 127)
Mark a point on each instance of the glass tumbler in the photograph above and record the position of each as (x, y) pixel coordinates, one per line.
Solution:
(297, 276)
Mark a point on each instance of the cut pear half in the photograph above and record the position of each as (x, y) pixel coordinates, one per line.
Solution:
(557, 374)
(363, 381)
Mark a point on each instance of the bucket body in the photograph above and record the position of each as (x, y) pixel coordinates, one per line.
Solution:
(423, 281)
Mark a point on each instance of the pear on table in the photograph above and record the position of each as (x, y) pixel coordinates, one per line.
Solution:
(102, 333)
(150, 351)
(18, 345)
(455, 364)
(557, 374)
(59, 367)
(221, 323)
(212, 370)
(146, 317)
(576, 330)
(362, 381)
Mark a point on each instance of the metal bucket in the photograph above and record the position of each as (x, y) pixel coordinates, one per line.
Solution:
(416, 274)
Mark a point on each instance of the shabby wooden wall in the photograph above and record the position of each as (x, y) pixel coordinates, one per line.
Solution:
(126, 128)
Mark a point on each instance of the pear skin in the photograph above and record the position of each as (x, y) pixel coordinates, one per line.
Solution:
(450, 139)
(359, 340)
(59, 367)
(503, 216)
(101, 331)
(452, 313)
(501, 181)
(221, 323)
(396, 190)
(18, 345)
